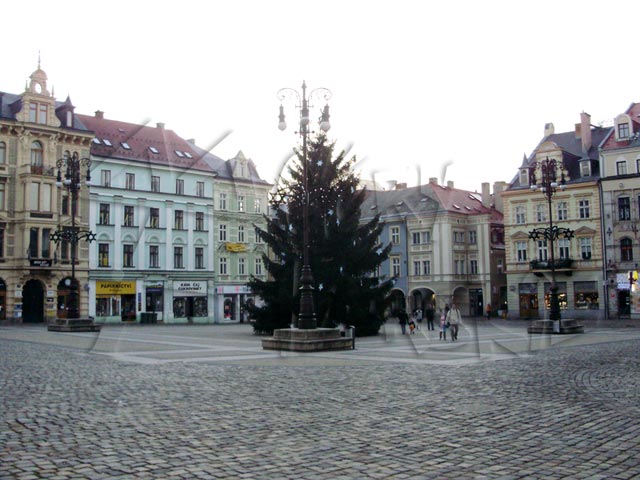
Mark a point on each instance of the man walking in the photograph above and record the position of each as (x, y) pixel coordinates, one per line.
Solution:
(453, 319)
(430, 314)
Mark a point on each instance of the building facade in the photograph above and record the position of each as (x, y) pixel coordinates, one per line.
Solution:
(36, 132)
(576, 205)
(620, 190)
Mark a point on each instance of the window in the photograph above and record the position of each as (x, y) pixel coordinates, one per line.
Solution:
(125, 145)
(179, 187)
(624, 208)
(621, 167)
(426, 267)
(3, 186)
(585, 168)
(473, 237)
(241, 203)
(623, 130)
(586, 295)
(104, 214)
(583, 209)
(178, 261)
(500, 266)
(473, 266)
(521, 251)
(199, 221)
(3, 153)
(417, 238)
(541, 212)
(36, 155)
(130, 181)
(46, 243)
(127, 255)
(154, 217)
(258, 269)
(563, 211)
(154, 150)
(222, 263)
(458, 267)
(64, 207)
(178, 216)
(395, 266)
(128, 216)
(521, 216)
(524, 176)
(257, 205)
(222, 232)
(563, 248)
(155, 184)
(103, 254)
(105, 178)
(38, 112)
(33, 242)
(585, 248)
(626, 250)
(154, 256)
(395, 235)
(458, 237)
(416, 267)
(2, 227)
(200, 189)
(107, 142)
(241, 266)
(222, 201)
(199, 257)
(543, 253)
(241, 233)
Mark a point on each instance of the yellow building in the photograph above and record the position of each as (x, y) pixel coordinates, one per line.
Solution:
(35, 132)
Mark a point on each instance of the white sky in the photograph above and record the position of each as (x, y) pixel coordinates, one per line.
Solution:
(415, 84)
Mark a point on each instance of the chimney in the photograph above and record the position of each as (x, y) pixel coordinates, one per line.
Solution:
(498, 188)
(160, 125)
(401, 186)
(578, 131)
(433, 180)
(450, 184)
(486, 195)
(585, 127)
(99, 114)
(549, 129)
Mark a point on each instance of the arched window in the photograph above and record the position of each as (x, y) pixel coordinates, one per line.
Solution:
(36, 154)
(3, 153)
(626, 250)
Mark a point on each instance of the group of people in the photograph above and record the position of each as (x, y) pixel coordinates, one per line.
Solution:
(450, 319)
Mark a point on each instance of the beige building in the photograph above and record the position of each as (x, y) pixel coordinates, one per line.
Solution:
(576, 205)
(35, 132)
(620, 163)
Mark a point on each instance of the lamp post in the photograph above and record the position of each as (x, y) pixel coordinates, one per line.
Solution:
(548, 186)
(307, 315)
(71, 165)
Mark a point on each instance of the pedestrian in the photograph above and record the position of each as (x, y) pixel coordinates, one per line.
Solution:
(412, 326)
(418, 315)
(403, 318)
(430, 314)
(488, 310)
(443, 326)
(453, 319)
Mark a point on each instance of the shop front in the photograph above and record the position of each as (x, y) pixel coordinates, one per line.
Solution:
(154, 299)
(115, 301)
(232, 303)
(190, 301)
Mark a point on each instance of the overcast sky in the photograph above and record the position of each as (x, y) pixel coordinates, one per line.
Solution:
(415, 84)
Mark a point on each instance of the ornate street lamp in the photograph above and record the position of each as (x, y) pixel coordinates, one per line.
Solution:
(307, 315)
(548, 185)
(71, 165)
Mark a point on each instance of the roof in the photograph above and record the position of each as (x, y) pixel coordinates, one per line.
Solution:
(10, 104)
(141, 143)
(611, 143)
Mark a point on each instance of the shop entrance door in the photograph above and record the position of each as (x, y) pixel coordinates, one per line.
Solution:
(529, 305)
(33, 302)
(624, 302)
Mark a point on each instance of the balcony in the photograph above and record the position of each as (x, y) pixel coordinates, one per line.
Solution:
(560, 265)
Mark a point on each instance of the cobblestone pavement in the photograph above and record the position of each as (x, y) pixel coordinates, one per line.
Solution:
(104, 407)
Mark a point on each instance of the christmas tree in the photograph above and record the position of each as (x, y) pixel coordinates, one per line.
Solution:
(344, 253)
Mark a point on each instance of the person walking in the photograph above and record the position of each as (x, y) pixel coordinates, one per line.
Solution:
(453, 319)
(403, 318)
(488, 311)
(418, 316)
(430, 314)
(443, 326)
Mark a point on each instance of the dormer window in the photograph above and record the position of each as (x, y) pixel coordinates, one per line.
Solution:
(623, 130)
(125, 145)
(585, 168)
(107, 142)
(524, 176)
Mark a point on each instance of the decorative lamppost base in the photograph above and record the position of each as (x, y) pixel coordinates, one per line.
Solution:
(73, 325)
(307, 340)
(559, 327)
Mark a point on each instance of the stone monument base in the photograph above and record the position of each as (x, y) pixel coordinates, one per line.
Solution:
(307, 340)
(73, 325)
(557, 327)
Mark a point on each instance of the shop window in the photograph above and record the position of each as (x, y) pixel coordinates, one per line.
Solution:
(586, 295)
(562, 295)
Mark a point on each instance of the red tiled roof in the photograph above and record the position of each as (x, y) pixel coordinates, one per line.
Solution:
(459, 201)
(140, 138)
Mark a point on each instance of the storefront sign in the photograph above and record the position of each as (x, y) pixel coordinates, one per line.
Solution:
(40, 262)
(233, 289)
(236, 247)
(189, 289)
(105, 287)
(156, 287)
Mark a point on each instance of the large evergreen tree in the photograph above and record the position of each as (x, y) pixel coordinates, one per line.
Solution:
(344, 254)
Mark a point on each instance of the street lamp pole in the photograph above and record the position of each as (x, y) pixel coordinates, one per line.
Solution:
(72, 235)
(548, 185)
(307, 315)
